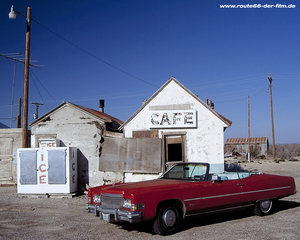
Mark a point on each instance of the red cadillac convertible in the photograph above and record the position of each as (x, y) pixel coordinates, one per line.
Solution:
(187, 189)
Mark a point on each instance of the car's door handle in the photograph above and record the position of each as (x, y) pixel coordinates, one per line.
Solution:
(241, 184)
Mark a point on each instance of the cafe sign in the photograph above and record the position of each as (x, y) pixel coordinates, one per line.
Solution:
(172, 119)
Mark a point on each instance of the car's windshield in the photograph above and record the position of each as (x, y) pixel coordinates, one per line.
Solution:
(189, 171)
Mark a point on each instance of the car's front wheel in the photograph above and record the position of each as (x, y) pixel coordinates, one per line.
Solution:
(167, 220)
(263, 207)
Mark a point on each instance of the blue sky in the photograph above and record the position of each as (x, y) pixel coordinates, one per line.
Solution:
(124, 50)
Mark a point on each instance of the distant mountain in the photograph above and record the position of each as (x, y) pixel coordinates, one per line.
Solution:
(3, 125)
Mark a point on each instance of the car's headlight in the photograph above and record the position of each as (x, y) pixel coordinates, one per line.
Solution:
(97, 198)
(127, 204)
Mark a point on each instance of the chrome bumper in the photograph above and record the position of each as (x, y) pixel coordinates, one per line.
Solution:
(114, 215)
(117, 215)
(90, 207)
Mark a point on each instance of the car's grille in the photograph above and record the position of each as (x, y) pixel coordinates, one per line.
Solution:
(111, 200)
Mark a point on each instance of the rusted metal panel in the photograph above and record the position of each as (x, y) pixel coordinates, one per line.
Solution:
(140, 155)
(145, 134)
(257, 144)
(256, 140)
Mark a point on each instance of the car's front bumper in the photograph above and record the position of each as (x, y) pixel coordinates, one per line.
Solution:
(90, 207)
(114, 215)
(118, 215)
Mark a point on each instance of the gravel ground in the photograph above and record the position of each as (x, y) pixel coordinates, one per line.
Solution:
(25, 218)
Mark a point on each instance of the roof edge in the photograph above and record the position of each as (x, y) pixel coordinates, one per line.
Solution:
(108, 118)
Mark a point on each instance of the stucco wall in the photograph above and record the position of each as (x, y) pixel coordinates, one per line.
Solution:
(77, 129)
(205, 143)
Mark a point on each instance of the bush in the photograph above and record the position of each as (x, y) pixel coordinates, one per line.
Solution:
(286, 151)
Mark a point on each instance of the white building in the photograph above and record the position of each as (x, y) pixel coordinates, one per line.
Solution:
(189, 129)
(172, 126)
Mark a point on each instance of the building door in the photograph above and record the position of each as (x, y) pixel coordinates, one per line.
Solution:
(174, 149)
(6, 160)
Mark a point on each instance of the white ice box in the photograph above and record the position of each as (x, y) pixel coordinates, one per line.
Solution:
(47, 170)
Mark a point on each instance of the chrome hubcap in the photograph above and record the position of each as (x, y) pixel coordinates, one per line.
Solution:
(169, 218)
(266, 205)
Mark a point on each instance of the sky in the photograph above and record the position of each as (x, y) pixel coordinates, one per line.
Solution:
(124, 50)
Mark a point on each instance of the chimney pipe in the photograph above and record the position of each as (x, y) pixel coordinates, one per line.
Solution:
(101, 105)
(210, 103)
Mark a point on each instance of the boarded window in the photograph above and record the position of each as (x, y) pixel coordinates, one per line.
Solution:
(131, 155)
(145, 134)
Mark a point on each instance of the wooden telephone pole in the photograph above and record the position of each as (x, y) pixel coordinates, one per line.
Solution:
(36, 116)
(273, 135)
(19, 115)
(249, 149)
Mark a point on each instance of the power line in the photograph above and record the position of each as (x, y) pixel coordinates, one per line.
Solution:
(34, 83)
(43, 86)
(8, 118)
(12, 94)
(93, 55)
(16, 58)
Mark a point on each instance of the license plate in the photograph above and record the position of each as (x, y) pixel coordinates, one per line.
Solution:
(106, 217)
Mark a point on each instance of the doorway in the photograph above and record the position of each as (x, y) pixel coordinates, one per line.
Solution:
(174, 152)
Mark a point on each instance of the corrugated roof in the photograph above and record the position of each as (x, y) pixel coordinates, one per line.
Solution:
(255, 140)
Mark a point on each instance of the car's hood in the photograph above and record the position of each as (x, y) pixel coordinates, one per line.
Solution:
(145, 186)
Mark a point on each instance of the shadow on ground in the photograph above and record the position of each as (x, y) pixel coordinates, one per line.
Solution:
(282, 205)
(204, 220)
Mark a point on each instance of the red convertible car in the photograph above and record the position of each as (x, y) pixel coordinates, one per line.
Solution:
(187, 189)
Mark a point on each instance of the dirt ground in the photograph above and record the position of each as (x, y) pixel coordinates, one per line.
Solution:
(25, 218)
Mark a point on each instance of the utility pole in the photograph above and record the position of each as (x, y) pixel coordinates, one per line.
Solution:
(19, 115)
(273, 135)
(12, 15)
(26, 80)
(249, 154)
(36, 116)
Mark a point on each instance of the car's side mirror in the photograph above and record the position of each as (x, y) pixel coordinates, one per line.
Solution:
(216, 178)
